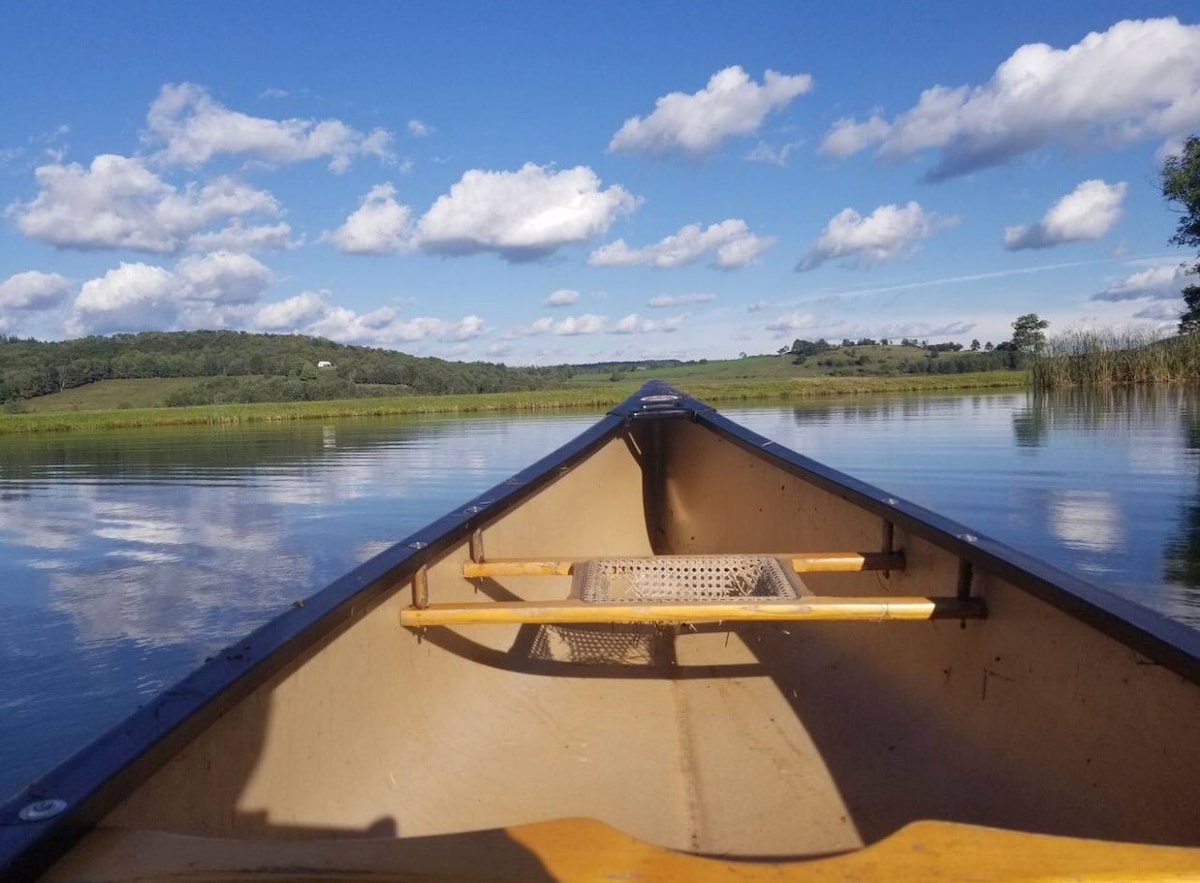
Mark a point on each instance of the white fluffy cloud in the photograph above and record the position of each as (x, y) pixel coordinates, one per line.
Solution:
(888, 232)
(419, 129)
(1163, 282)
(731, 104)
(730, 242)
(291, 314)
(678, 300)
(203, 290)
(587, 323)
(237, 237)
(223, 277)
(564, 297)
(193, 128)
(132, 297)
(848, 136)
(380, 225)
(635, 324)
(1136, 80)
(119, 203)
(313, 313)
(33, 290)
(1087, 213)
(522, 215)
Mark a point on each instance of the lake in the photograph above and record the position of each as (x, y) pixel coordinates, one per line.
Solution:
(127, 557)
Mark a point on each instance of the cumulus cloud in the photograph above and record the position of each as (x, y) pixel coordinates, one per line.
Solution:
(522, 215)
(564, 297)
(118, 202)
(132, 297)
(678, 300)
(731, 104)
(237, 237)
(192, 128)
(291, 314)
(635, 324)
(380, 225)
(223, 277)
(33, 290)
(1138, 79)
(312, 313)
(1163, 282)
(730, 242)
(793, 322)
(888, 232)
(202, 290)
(848, 136)
(419, 129)
(1087, 213)
(587, 323)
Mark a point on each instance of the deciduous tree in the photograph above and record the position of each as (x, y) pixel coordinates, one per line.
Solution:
(1029, 333)
(1181, 187)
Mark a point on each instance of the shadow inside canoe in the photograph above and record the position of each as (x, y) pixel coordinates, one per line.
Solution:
(623, 652)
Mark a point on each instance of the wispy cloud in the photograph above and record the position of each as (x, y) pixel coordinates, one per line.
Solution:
(973, 277)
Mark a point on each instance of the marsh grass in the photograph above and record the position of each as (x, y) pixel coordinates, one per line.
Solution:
(1098, 358)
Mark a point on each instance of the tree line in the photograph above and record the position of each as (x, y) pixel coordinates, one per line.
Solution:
(939, 358)
(247, 366)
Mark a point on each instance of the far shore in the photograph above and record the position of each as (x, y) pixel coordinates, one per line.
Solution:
(594, 397)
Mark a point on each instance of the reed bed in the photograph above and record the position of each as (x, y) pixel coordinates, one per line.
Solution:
(590, 397)
(1099, 358)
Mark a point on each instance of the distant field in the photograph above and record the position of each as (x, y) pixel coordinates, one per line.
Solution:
(581, 396)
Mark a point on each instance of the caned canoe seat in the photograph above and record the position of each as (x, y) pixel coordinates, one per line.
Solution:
(689, 589)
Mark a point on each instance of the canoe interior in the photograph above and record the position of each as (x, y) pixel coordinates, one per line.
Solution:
(756, 740)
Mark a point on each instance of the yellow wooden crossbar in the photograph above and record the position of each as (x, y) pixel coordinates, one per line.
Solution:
(810, 608)
(801, 562)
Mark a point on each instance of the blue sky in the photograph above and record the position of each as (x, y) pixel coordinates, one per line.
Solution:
(550, 182)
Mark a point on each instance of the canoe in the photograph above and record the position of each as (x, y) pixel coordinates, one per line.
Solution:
(670, 649)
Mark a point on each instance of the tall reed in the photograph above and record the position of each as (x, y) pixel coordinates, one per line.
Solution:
(1096, 358)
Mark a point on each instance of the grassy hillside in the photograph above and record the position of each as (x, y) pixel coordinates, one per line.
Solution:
(32, 368)
(148, 392)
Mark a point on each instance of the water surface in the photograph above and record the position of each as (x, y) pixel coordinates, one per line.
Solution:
(127, 557)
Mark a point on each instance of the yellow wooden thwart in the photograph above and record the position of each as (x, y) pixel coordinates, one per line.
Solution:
(807, 608)
(801, 562)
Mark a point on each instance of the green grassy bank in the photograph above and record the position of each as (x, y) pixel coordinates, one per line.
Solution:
(597, 396)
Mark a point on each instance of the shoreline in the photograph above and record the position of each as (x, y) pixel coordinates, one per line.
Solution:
(538, 400)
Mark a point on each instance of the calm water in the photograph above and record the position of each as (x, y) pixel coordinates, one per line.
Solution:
(126, 558)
